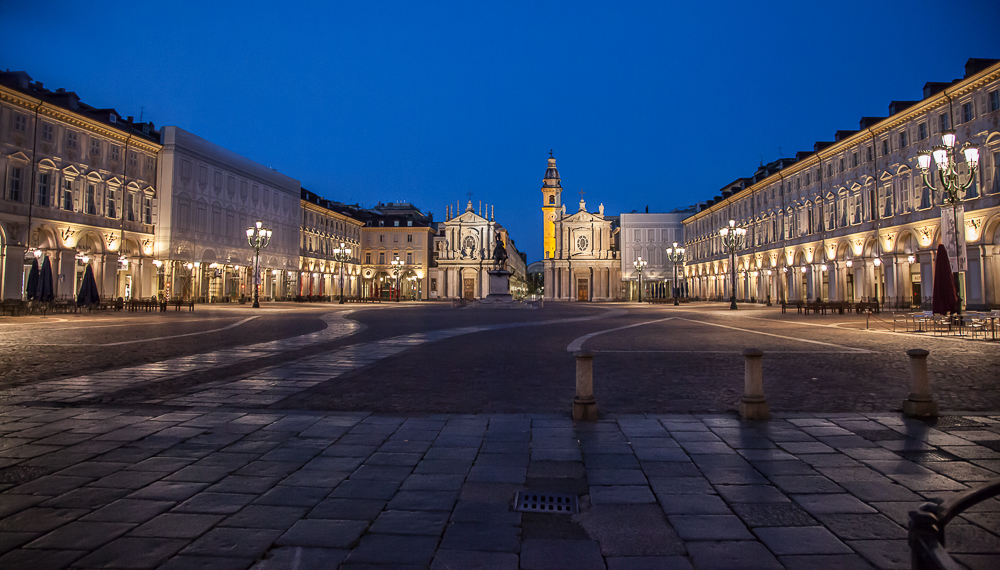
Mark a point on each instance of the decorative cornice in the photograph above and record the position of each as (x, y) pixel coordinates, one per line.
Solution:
(69, 117)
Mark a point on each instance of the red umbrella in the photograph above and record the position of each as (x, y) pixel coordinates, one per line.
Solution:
(945, 299)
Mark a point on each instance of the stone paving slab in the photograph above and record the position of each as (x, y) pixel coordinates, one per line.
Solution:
(239, 488)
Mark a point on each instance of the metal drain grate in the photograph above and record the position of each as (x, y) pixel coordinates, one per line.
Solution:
(925, 456)
(556, 503)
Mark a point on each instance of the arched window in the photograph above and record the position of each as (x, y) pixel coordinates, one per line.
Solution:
(552, 199)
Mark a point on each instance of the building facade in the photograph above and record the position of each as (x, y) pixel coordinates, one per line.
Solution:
(852, 219)
(211, 195)
(463, 256)
(79, 188)
(581, 260)
(648, 236)
(395, 231)
(326, 226)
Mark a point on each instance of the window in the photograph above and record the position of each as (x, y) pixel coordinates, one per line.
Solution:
(854, 160)
(368, 259)
(95, 147)
(925, 197)
(409, 259)
(14, 189)
(434, 284)
(871, 151)
(150, 165)
(130, 206)
(381, 238)
(904, 195)
(552, 199)
(841, 165)
(115, 154)
(903, 139)
(381, 258)
(71, 139)
(922, 131)
(885, 147)
(147, 210)
(91, 200)
(43, 188)
(995, 100)
(47, 132)
(995, 183)
(807, 179)
(943, 123)
(967, 112)
(111, 204)
(409, 238)
(133, 160)
(829, 170)
(67, 197)
(20, 123)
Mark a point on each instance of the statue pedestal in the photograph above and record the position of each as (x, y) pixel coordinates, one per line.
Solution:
(499, 286)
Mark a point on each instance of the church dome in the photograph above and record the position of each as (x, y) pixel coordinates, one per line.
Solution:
(551, 174)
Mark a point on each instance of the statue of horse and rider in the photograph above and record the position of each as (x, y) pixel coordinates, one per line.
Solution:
(499, 255)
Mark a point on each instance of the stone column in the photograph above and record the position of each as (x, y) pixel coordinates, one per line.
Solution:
(13, 271)
(920, 403)
(584, 404)
(753, 406)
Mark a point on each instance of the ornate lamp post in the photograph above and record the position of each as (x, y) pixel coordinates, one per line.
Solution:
(946, 158)
(257, 237)
(342, 254)
(769, 272)
(675, 255)
(640, 264)
(732, 240)
(397, 265)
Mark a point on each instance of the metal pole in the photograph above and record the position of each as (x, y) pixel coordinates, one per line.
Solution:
(732, 263)
(256, 271)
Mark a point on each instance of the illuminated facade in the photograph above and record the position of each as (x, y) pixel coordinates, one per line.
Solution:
(391, 230)
(325, 226)
(78, 188)
(463, 254)
(211, 195)
(852, 220)
(648, 236)
(582, 264)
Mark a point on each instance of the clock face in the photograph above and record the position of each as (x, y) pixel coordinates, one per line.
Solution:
(581, 243)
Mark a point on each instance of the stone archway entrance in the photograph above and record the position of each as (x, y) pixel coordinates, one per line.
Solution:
(582, 289)
(469, 288)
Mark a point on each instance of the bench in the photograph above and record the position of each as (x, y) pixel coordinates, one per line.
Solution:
(797, 304)
(178, 303)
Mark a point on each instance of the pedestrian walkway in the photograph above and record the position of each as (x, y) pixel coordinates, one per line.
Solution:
(146, 487)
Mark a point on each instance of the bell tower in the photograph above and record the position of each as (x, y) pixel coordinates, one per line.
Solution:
(551, 207)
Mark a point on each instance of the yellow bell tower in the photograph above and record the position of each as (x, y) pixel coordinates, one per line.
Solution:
(551, 207)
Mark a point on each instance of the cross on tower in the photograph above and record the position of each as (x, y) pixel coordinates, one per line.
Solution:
(469, 194)
(550, 153)
(581, 194)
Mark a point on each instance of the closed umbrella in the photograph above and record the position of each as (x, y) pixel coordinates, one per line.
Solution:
(46, 288)
(945, 299)
(88, 290)
(31, 288)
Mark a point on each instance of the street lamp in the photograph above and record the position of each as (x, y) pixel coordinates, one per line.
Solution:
(675, 255)
(732, 240)
(397, 265)
(640, 264)
(257, 237)
(769, 287)
(341, 254)
(945, 156)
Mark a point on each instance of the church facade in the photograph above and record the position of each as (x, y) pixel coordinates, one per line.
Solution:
(463, 254)
(581, 261)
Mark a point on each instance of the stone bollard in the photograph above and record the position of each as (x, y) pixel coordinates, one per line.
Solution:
(919, 404)
(584, 404)
(753, 406)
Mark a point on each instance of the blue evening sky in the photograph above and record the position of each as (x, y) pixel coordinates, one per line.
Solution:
(645, 103)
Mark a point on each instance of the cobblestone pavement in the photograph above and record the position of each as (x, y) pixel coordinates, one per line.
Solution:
(113, 487)
(324, 447)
